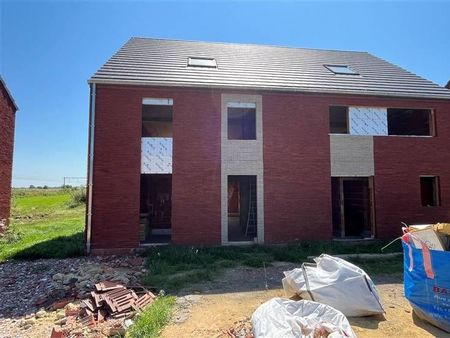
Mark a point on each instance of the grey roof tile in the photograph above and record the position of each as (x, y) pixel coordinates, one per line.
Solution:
(161, 62)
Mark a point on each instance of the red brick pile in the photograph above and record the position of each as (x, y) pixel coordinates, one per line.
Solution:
(113, 300)
(110, 300)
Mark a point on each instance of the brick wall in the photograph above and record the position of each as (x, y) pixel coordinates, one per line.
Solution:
(297, 184)
(297, 167)
(296, 152)
(7, 117)
(399, 161)
(196, 166)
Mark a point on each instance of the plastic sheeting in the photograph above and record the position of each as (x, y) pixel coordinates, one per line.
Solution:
(156, 155)
(335, 282)
(368, 121)
(286, 318)
(427, 282)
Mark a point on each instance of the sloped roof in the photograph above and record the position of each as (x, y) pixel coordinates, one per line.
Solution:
(3, 84)
(143, 61)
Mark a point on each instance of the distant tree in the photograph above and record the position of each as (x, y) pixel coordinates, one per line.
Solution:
(32, 186)
(45, 187)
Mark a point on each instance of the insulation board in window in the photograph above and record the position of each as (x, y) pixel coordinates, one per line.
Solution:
(368, 121)
(156, 155)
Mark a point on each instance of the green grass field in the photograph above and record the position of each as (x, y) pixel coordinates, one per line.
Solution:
(45, 223)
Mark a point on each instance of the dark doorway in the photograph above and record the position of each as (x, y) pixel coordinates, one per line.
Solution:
(352, 207)
(242, 212)
(156, 207)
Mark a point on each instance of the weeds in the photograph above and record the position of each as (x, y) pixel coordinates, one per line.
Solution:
(78, 197)
(388, 266)
(152, 320)
(10, 236)
(174, 267)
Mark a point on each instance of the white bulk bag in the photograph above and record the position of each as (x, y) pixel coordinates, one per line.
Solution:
(286, 318)
(335, 282)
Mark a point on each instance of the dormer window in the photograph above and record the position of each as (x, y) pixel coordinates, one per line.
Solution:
(202, 62)
(341, 69)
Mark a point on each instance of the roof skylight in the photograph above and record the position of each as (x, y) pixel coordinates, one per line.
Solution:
(202, 62)
(341, 69)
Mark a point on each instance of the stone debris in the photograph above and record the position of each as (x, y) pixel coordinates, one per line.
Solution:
(37, 295)
(240, 329)
(182, 309)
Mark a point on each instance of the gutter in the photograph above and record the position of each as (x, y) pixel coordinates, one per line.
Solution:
(90, 167)
(444, 95)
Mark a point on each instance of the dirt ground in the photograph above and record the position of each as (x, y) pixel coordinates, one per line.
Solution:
(212, 308)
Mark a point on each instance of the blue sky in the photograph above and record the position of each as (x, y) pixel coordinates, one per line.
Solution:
(50, 49)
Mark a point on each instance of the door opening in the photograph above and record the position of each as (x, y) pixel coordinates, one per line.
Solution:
(156, 207)
(242, 209)
(352, 207)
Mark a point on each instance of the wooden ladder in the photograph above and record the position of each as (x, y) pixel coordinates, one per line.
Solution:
(252, 217)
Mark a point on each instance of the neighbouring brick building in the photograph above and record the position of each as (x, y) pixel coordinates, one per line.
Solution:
(213, 143)
(8, 110)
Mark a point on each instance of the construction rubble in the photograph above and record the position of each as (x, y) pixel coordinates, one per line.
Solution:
(435, 236)
(108, 311)
(240, 329)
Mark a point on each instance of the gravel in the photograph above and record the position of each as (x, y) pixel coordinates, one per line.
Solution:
(33, 293)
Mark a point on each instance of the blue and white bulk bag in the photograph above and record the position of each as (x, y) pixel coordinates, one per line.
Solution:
(427, 281)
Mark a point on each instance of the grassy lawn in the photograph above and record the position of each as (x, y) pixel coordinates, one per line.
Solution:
(45, 223)
(172, 268)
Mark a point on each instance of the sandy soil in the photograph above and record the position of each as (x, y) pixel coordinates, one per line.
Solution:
(230, 301)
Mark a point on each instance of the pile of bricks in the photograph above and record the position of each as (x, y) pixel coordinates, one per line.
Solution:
(108, 306)
(112, 300)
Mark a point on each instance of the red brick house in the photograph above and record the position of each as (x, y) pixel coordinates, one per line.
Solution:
(8, 110)
(211, 143)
